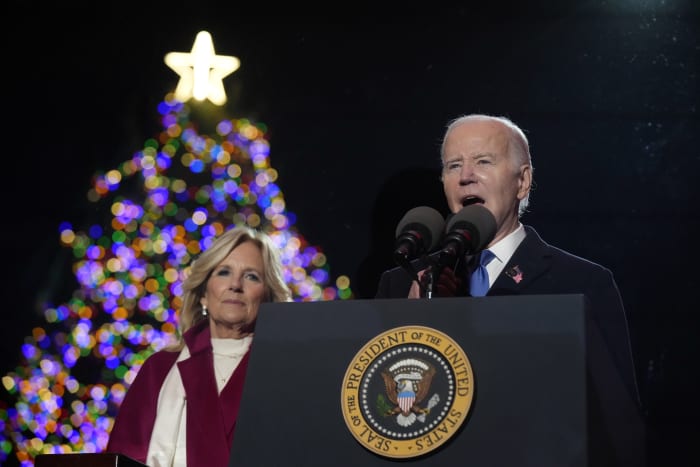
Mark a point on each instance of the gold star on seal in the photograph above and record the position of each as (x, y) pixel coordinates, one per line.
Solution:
(202, 71)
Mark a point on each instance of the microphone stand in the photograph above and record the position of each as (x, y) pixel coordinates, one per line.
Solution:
(447, 257)
(430, 277)
(427, 282)
(427, 286)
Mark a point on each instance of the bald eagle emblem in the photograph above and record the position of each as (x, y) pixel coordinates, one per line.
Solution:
(407, 384)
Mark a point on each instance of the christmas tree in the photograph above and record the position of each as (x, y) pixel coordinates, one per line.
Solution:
(160, 209)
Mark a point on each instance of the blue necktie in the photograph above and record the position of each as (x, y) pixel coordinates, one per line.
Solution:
(479, 281)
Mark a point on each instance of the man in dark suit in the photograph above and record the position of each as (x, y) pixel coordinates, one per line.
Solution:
(486, 160)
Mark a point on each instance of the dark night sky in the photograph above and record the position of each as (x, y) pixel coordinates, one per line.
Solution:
(356, 103)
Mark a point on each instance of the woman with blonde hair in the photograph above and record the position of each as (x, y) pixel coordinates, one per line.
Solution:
(181, 408)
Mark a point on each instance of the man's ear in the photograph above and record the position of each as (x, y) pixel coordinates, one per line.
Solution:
(524, 180)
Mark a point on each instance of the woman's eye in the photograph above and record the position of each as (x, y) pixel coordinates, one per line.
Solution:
(253, 277)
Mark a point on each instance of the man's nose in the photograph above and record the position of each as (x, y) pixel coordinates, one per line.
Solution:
(466, 174)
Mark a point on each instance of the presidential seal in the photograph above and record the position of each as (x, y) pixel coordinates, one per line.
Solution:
(407, 392)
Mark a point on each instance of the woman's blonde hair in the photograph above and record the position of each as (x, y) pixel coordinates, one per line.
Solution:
(194, 285)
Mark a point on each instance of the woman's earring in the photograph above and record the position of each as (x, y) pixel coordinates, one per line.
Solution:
(205, 312)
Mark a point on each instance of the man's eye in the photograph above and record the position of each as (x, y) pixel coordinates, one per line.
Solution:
(454, 166)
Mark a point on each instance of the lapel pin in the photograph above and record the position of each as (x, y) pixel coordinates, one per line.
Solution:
(515, 273)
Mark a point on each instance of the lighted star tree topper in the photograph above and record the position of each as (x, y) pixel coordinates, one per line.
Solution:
(202, 71)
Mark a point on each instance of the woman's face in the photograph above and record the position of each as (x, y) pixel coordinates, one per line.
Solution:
(234, 292)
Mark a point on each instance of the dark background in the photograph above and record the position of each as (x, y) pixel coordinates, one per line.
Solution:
(356, 103)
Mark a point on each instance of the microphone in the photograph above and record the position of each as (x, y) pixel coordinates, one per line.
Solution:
(468, 232)
(418, 232)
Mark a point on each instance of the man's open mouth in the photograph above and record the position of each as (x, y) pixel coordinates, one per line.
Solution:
(469, 200)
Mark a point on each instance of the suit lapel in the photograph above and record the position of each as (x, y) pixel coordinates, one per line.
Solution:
(529, 261)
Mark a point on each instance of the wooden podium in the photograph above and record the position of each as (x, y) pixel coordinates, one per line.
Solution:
(106, 459)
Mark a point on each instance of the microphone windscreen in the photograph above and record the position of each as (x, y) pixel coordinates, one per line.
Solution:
(425, 220)
(479, 221)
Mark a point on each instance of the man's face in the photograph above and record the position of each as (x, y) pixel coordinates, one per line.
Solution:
(477, 168)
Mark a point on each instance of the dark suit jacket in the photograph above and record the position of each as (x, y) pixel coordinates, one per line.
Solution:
(539, 268)
(211, 417)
